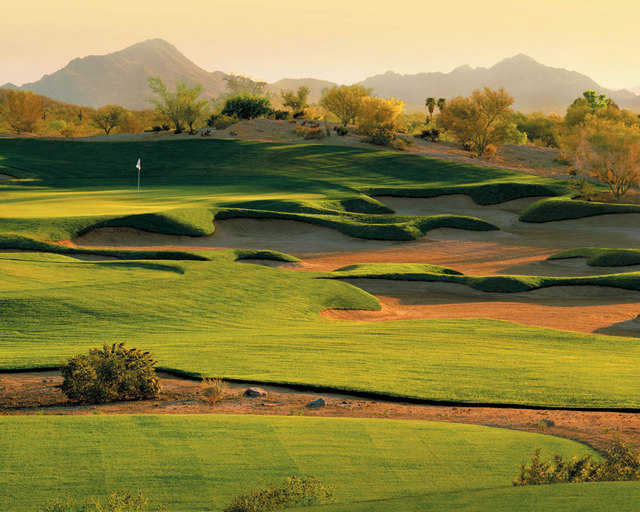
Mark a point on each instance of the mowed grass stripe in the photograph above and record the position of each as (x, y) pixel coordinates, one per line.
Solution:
(196, 463)
(227, 319)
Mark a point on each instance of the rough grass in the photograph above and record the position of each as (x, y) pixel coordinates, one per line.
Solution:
(215, 318)
(601, 257)
(495, 283)
(564, 208)
(200, 462)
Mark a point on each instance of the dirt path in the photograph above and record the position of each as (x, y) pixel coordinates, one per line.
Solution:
(38, 393)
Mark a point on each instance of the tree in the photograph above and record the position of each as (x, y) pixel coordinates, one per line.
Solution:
(431, 105)
(21, 110)
(379, 119)
(246, 106)
(238, 84)
(108, 117)
(609, 151)
(479, 120)
(442, 102)
(180, 107)
(296, 101)
(344, 101)
(590, 103)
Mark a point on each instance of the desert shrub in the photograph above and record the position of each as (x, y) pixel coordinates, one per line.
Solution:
(620, 463)
(246, 106)
(220, 121)
(213, 390)
(582, 186)
(490, 150)
(120, 501)
(58, 124)
(342, 131)
(156, 128)
(108, 374)
(563, 159)
(281, 115)
(314, 133)
(294, 492)
(380, 138)
(400, 143)
(431, 134)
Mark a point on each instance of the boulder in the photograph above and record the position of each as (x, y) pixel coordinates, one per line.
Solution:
(317, 403)
(255, 392)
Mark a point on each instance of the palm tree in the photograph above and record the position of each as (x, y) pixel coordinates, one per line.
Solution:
(431, 105)
(441, 104)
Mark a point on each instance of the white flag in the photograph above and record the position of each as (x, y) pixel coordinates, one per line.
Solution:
(138, 166)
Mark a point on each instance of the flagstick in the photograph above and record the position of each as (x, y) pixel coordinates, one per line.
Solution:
(138, 183)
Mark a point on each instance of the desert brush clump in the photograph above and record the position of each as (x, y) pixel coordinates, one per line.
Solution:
(293, 492)
(112, 373)
(213, 389)
(619, 463)
(117, 501)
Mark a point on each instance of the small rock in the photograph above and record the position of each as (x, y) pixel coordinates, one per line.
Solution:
(255, 392)
(546, 423)
(317, 403)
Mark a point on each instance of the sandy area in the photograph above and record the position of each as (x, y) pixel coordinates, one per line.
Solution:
(38, 393)
(518, 248)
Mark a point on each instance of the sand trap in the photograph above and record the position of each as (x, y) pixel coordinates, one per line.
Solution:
(5, 177)
(288, 236)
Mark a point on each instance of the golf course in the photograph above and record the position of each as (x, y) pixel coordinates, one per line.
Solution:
(422, 289)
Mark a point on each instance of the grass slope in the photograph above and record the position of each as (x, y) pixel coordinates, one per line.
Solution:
(564, 208)
(197, 463)
(69, 187)
(220, 318)
(589, 497)
(497, 283)
(601, 257)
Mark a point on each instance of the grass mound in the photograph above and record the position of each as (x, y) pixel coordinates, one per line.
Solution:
(499, 283)
(248, 254)
(200, 462)
(565, 208)
(601, 257)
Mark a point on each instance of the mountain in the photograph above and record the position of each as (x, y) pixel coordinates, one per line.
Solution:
(635, 90)
(121, 77)
(534, 86)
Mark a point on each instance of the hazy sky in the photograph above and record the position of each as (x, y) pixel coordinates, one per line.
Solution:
(340, 40)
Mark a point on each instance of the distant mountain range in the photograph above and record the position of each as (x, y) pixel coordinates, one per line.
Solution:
(121, 78)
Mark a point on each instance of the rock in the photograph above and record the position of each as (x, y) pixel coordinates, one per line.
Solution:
(317, 403)
(255, 392)
(546, 423)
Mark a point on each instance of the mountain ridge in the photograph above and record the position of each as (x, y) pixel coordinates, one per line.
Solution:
(121, 78)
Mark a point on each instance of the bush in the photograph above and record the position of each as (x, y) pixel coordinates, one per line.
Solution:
(121, 501)
(314, 133)
(220, 121)
(294, 492)
(380, 138)
(213, 390)
(620, 463)
(113, 373)
(246, 106)
(581, 185)
(400, 143)
(281, 115)
(490, 150)
(432, 134)
(342, 131)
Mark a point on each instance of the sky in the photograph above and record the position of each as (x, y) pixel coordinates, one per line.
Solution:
(339, 40)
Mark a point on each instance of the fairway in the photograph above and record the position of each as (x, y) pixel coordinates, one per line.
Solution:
(197, 463)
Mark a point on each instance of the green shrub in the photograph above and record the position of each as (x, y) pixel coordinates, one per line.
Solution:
(113, 373)
(314, 133)
(620, 463)
(342, 131)
(121, 501)
(58, 124)
(281, 115)
(220, 121)
(246, 106)
(294, 492)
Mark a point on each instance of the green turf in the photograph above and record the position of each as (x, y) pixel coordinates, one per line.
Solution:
(221, 318)
(601, 257)
(197, 463)
(589, 497)
(497, 283)
(564, 208)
